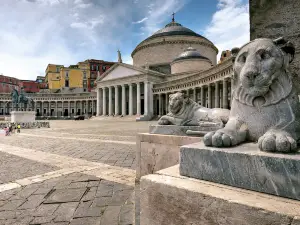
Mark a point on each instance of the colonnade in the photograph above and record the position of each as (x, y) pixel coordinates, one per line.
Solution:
(212, 95)
(125, 99)
(56, 108)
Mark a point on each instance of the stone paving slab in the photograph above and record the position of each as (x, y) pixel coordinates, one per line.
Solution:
(114, 154)
(14, 167)
(58, 201)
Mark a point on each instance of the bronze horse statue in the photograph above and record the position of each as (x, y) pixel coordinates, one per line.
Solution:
(19, 99)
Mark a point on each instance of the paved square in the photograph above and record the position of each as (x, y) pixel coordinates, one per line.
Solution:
(75, 173)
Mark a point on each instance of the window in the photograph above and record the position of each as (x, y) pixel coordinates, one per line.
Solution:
(84, 84)
(97, 68)
(224, 54)
(92, 68)
(92, 83)
(57, 69)
(67, 74)
(103, 68)
(66, 83)
(84, 75)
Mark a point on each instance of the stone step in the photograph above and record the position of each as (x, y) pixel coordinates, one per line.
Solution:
(243, 166)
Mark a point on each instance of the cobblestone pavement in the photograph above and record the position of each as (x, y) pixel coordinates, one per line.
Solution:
(75, 173)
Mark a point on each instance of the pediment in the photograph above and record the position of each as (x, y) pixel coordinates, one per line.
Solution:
(119, 72)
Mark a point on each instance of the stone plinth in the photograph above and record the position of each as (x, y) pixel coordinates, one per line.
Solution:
(243, 166)
(22, 116)
(182, 130)
(168, 198)
(155, 152)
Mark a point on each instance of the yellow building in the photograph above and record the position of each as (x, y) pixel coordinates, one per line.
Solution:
(52, 76)
(74, 76)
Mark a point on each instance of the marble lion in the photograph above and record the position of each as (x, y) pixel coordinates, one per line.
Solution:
(265, 106)
(183, 111)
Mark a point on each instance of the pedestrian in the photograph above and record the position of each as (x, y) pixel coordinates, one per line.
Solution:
(10, 128)
(18, 128)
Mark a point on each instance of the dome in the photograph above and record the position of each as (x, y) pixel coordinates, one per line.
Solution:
(190, 53)
(174, 28)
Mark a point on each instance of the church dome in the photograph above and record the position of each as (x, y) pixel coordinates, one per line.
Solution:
(174, 28)
(190, 53)
(160, 49)
(190, 60)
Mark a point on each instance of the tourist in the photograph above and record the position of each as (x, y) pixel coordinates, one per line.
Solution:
(18, 128)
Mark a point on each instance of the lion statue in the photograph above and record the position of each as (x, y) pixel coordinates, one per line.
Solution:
(183, 111)
(265, 106)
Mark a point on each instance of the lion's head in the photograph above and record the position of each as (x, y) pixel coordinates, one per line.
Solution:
(261, 70)
(177, 102)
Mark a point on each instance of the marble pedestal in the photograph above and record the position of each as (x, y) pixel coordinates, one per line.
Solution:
(22, 116)
(184, 130)
(168, 198)
(155, 151)
(243, 166)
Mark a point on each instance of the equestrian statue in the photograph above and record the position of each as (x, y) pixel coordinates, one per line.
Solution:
(19, 100)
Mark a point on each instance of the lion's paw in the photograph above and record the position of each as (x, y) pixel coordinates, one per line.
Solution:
(277, 141)
(220, 138)
(163, 121)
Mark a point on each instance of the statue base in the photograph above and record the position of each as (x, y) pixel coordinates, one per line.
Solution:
(185, 130)
(243, 166)
(22, 116)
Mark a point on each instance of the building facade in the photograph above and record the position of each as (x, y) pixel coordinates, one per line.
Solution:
(7, 84)
(173, 59)
(56, 105)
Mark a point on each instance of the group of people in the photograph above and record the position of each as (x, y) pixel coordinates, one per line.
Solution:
(11, 129)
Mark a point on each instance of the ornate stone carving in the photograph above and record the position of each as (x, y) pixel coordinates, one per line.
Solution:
(265, 106)
(183, 111)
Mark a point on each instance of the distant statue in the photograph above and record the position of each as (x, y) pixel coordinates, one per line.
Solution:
(15, 98)
(183, 111)
(265, 107)
(21, 99)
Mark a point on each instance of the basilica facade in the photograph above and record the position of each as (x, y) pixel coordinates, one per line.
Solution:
(173, 59)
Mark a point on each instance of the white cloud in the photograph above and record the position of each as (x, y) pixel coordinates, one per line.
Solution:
(159, 11)
(140, 21)
(229, 26)
(127, 59)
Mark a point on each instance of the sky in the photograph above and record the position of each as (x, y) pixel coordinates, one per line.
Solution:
(35, 33)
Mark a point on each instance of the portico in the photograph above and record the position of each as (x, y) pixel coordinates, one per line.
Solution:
(125, 90)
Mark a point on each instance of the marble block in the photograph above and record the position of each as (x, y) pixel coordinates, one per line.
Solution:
(22, 116)
(168, 198)
(155, 152)
(183, 130)
(244, 166)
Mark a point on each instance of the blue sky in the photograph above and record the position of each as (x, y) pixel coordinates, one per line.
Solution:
(37, 32)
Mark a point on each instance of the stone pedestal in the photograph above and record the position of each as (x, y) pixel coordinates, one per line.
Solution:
(243, 166)
(168, 198)
(22, 116)
(184, 130)
(155, 151)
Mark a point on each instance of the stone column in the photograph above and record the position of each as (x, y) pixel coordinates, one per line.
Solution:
(130, 100)
(138, 99)
(202, 96)
(116, 100)
(98, 102)
(159, 105)
(35, 102)
(104, 101)
(75, 107)
(69, 108)
(209, 95)
(123, 101)
(195, 94)
(87, 107)
(92, 107)
(225, 94)
(217, 95)
(146, 98)
(42, 108)
(56, 112)
(110, 101)
(167, 102)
